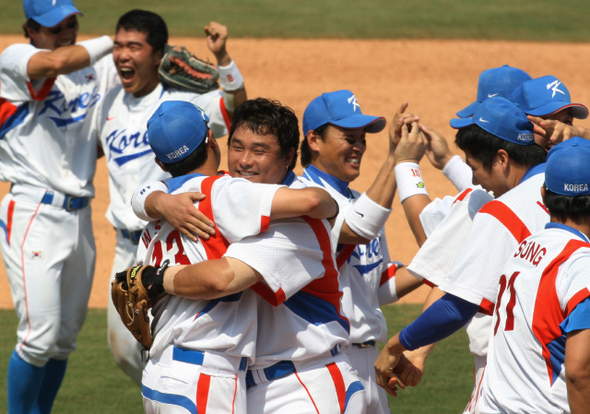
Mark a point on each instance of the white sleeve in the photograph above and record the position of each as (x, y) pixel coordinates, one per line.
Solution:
(459, 173)
(289, 255)
(439, 253)
(141, 194)
(241, 208)
(477, 272)
(14, 80)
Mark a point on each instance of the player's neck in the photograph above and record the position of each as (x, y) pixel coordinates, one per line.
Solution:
(582, 226)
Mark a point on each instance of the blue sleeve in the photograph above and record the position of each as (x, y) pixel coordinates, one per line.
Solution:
(443, 318)
(579, 318)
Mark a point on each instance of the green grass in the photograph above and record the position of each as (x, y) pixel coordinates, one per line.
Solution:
(94, 384)
(537, 20)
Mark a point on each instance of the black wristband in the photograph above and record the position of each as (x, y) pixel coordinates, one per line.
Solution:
(154, 280)
(337, 211)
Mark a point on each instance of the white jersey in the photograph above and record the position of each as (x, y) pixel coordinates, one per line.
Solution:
(123, 137)
(540, 285)
(498, 228)
(239, 209)
(364, 269)
(439, 253)
(46, 139)
(299, 315)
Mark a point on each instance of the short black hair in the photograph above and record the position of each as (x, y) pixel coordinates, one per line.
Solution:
(264, 117)
(146, 22)
(31, 24)
(484, 146)
(306, 152)
(575, 208)
(194, 160)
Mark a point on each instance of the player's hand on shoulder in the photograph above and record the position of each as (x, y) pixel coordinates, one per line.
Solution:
(179, 210)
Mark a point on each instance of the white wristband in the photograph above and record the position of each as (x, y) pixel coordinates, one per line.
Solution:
(409, 180)
(97, 48)
(459, 173)
(141, 194)
(366, 218)
(230, 77)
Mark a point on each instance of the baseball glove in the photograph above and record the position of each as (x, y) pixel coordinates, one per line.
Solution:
(134, 291)
(183, 70)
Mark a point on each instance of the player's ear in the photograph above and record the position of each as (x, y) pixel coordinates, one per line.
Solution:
(502, 158)
(543, 193)
(160, 164)
(312, 139)
(289, 157)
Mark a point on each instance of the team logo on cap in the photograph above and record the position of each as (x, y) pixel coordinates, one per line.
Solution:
(177, 153)
(525, 137)
(553, 86)
(354, 103)
(575, 188)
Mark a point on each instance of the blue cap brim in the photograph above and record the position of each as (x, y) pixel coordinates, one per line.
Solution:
(459, 123)
(469, 110)
(579, 111)
(372, 124)
(56, 16)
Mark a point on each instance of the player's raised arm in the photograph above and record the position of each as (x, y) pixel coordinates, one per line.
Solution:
(230, 78)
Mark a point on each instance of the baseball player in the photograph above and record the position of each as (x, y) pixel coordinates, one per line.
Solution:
(500, 148)
(301, 369)
(538, 352)
(438, 255)
(226, 329)
(50, 90)
(331, 153)
(139, 42)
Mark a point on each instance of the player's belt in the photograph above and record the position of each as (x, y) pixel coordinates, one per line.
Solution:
(279, 370)
(70, 203)
(133, 236)
(198, 358)
(364, 344)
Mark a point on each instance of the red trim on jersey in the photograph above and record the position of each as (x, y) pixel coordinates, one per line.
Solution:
(225, 115)
(7, 109)
(43, 92)
(233, 401)
(543, 207)
(203, 392)
(338, 384)
(463, 195)
(388, 273)
(22, 258)
(428, 283)
(266, 293)
(328, 286)
(486, 307)
(576, 299)
(264, 223)
(217, 245)
(9, 220)
(508, 218)
(344, 254)
(547, 314)
(308, 393)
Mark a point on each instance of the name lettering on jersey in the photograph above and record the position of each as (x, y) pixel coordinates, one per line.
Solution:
(146, 238)
(531, 252)
(575, 187)
(56, 104)
(368, 256)
(119, 141)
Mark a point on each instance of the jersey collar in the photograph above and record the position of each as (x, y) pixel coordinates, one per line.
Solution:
(567, 228)
(320, 177)
(534, 170)
(176, 182)
(289, 179)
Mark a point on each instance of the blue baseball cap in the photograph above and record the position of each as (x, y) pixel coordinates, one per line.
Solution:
(546, 96)
(495, 82)
(567, 171)
(339, 108)
(49, 13)
(501, 118)
(176, 129)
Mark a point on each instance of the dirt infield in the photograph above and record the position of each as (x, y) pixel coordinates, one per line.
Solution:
(437, 78)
